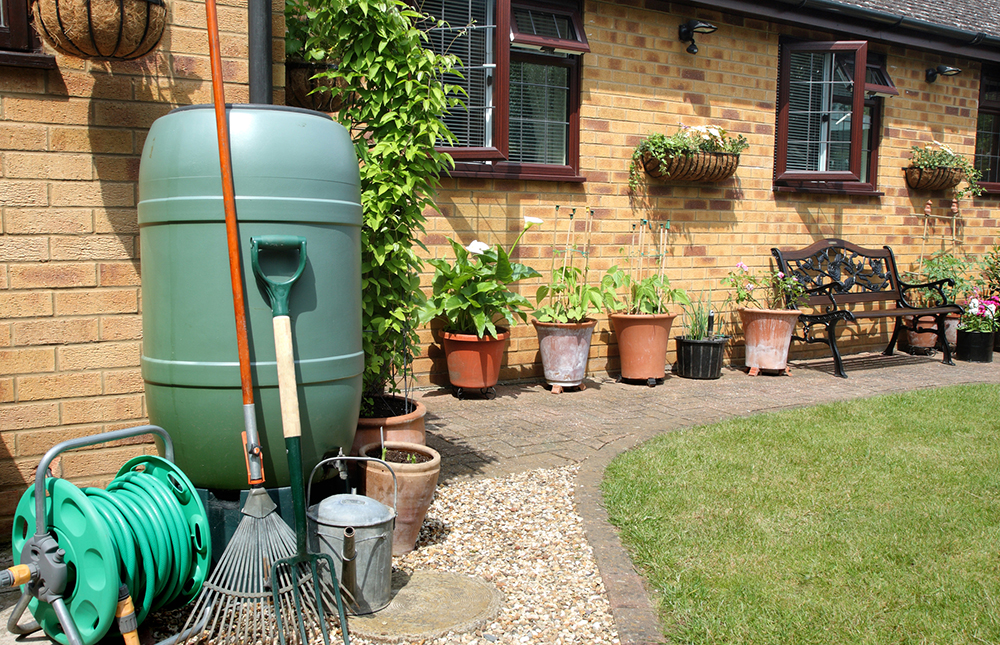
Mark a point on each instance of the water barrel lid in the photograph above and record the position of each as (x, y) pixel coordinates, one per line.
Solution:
(351, 510)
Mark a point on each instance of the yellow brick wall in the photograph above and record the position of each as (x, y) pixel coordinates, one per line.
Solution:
(70, 297)
(638, 79)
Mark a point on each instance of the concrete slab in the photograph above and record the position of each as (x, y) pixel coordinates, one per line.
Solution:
(429, 604)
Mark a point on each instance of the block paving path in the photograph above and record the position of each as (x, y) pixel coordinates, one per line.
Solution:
(527, 427)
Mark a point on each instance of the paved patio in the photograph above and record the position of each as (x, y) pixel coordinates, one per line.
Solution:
(527, 427)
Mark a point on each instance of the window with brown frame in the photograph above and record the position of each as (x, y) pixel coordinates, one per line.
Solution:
(829, 117)
(520, 76)
(19, 46)
(988, 130)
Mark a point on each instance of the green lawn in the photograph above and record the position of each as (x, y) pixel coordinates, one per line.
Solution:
(873, 521)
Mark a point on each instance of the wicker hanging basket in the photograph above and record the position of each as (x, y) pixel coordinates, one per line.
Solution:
(100, 29)
(698, 166)
(933, 178)
(299, 82)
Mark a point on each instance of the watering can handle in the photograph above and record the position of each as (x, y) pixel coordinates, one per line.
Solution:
(277, 291)
(395, 484)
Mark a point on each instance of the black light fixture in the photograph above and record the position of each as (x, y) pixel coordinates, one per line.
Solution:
(687, 31)
(941, 70)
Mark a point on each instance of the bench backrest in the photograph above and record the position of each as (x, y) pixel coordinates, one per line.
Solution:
(860, 274)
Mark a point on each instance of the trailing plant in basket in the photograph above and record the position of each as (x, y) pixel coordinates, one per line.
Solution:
(938, 155)
(473, 293)
(568, 297)
(396, 101)
(687, 141)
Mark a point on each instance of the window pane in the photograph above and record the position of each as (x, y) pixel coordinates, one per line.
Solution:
(543, 23)
(539, 113)
(988, 146)
(469, 34)
(820, 98)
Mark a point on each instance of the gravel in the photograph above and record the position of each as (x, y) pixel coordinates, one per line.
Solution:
(521, 533)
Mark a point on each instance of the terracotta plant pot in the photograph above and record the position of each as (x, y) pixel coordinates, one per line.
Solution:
(416, 484)
(700, 166)
(974, 346)
(700, 359)
(921, 342)
(933, 178)
(473, 362)
(407, 427)
(768, 334)
(565, 348)
(642, 344)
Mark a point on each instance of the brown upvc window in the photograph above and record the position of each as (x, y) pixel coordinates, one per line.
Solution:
(18, 44)
(829, 108)
(521, 77)
(988, 130)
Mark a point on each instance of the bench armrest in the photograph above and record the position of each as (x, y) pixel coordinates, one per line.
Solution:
(942, 300)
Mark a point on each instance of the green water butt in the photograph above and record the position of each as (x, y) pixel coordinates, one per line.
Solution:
(295, 174)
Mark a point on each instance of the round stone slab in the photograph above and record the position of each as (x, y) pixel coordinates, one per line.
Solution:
(429, 604)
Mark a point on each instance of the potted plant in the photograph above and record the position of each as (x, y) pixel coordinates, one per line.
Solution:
(636, 299)
(939, 266)
(699, 153)
(767, 325)
(417, 468)
(473, 296)
(400, 170)
(976, 328)
(700, 352)
(563, 323)
(309, 50)
(991, 281)
(937, 167)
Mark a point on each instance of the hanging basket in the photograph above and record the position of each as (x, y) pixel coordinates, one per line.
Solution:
(299, 83)
(100, 29)
(933, 178)
(698, 166)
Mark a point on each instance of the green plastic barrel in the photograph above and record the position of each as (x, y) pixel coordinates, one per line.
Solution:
(296, 174)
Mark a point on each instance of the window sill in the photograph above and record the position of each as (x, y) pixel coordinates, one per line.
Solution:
(991, 189)
(516, 172)
(36, 60)
(829, 188)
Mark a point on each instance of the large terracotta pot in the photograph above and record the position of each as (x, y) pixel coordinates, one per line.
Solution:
(922, 342)
(565, 348)
(642, 344)
(473, 362)
(416, 485)
(407, 427)
(768, 334)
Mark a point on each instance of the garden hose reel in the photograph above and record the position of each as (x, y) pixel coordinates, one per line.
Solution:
(101, 555)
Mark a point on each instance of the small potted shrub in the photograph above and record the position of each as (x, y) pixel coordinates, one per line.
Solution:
(767, 325)
(700, 153)
(938, 167)
(976, 328)
(473, 296)
(700, 352)
(562, 319)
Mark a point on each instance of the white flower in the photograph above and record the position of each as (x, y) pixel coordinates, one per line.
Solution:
(531, 221)
(477, 247)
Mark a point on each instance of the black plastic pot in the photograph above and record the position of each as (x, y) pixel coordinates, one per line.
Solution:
(700, 359)
(974, 346)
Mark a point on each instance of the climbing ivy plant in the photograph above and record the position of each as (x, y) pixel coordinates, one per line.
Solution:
(395, 98)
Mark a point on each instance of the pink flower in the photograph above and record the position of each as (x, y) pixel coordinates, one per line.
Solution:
(740, 265)
(781, 275)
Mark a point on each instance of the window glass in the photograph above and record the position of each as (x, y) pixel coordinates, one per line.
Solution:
(543, 23)
(539, 113)
(988, 146)
(820, 103)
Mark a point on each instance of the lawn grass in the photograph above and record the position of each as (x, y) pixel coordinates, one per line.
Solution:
(872, 521)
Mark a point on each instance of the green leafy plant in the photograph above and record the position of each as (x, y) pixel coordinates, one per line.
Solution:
(943, 265)
(473, 293)
(642, 287)
(395, 98)
(991, 270)
(699, 318)
(568, 298)
(938, 155)
(769, 290)
(687, 141)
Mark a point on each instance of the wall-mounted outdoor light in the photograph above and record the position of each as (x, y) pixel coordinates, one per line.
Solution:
(941, 70)
(687, 31)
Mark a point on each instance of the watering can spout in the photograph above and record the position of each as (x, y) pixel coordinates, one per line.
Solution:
(349, 573)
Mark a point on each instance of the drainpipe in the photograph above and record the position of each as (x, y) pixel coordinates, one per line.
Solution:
(259, 34)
